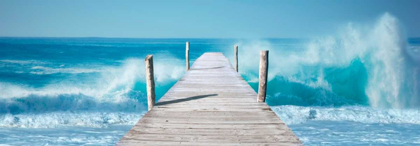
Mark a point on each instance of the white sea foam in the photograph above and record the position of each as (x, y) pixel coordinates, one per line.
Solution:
(111, 81)
(392, 79)
(24, 62)
(112, 89)
(63, 119)
(299, 114)
(41, 70)
(289, 114)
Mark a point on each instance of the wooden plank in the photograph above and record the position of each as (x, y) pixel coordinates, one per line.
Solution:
(171, 143)
(214, 125)
(212, 138)
(210, 105)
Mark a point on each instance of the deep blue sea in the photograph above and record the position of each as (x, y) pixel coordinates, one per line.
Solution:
(356, 87)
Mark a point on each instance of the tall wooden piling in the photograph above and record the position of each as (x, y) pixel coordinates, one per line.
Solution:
(236, 58)
(187, 52)
(262, 87)
(150, 82)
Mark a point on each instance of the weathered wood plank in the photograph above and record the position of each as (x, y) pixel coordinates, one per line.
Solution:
(211, 105)
(212, 138)
(171, 143)
(214, 125)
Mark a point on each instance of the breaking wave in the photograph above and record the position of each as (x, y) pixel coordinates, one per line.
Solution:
(108, 88)
(361, 65)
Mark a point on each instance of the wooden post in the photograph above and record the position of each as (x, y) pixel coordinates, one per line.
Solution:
(236, 58)
(150, 82)
(262, 87)
(187, 51)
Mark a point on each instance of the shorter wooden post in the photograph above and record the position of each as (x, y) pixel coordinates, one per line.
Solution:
(150, 81)
(236, 58)
(187, 52)
(262, 87)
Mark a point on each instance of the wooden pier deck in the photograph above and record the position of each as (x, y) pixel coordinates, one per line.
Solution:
(211, 105)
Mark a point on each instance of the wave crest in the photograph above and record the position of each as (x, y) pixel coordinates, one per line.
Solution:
(360, 64)
(112, 88)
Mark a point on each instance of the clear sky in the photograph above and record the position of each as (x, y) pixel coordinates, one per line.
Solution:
(197, 18)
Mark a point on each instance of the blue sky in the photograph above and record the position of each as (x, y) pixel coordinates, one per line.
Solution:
(197, 18)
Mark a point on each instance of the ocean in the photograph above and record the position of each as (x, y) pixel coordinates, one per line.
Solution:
(356, 87)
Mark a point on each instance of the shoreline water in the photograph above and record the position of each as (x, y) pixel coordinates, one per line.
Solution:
(337, 126)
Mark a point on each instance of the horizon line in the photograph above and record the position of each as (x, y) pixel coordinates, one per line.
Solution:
(152, 37)
(416, 37)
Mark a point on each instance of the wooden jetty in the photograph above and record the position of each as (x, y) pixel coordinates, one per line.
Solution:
(210, 105)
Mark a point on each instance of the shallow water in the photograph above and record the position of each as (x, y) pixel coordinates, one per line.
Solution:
(356, 133)
(63, 136)
(354, 125)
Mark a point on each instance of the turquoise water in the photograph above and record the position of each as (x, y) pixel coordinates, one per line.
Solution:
(357, 87)
(73, 135)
